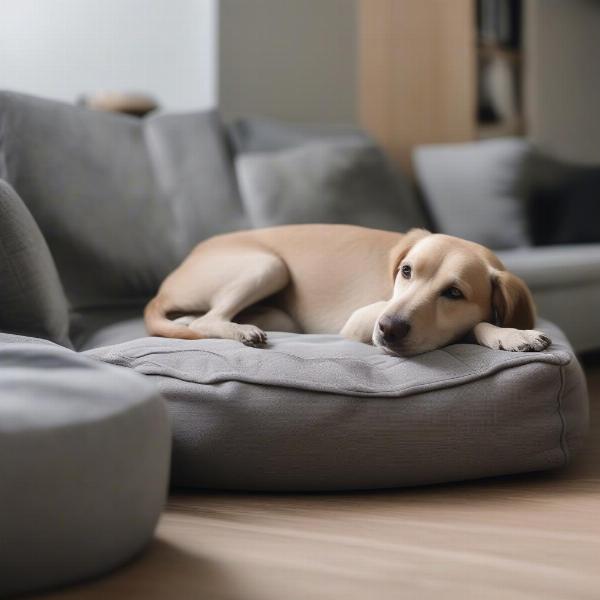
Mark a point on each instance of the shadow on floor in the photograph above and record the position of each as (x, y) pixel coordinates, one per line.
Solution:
(161, 571)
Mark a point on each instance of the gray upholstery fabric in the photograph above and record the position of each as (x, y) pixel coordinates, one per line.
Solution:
(316, 412)
(269, 135)
(575, 309)
(555, 266)
(473, 190)
(108, 327)
(32, 300)
(326, 183)
(84, 464)
(195, 173)
(565, 281)
(561, 200)
(119, 200)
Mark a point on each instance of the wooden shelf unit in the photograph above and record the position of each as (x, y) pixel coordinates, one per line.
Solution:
(419, 63)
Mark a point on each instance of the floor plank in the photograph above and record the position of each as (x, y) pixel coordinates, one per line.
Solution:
(528, 536)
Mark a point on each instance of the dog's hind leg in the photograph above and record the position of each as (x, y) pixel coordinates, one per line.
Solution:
(257, 275)
(268, 317)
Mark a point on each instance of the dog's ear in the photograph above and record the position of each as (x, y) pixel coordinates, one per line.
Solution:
(512, 303)
(402, 248)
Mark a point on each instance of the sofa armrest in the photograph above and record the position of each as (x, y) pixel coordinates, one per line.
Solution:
(32, 299)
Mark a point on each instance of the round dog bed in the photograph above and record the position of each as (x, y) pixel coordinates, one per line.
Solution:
(316, 412)
(84, 458)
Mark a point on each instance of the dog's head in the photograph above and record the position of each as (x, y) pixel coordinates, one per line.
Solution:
(443, 287)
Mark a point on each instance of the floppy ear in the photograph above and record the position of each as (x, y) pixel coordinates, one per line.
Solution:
(402, 248)
(512, 302)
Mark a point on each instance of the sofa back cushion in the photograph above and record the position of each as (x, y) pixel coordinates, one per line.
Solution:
(259, 134)
(473, 190)
(32, 301)
(119, 200)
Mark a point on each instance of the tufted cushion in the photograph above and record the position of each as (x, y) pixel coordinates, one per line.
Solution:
(316, 412)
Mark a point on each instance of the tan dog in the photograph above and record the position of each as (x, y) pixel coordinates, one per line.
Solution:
(407, 293)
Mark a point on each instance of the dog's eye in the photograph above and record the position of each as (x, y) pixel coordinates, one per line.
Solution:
(406, 271)
(452, 293)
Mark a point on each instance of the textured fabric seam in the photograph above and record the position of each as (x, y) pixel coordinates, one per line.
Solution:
(537, 357)
(291, 384)
(224, 376)
(456, 358)
(563, 423)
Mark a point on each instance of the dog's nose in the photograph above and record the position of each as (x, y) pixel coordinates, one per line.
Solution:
(393, 329)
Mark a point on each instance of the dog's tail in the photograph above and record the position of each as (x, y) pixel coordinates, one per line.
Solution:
(157, 323)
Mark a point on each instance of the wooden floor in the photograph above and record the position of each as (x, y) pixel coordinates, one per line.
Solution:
(533, 536)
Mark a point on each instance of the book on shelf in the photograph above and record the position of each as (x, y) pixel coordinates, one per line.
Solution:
(499, 22)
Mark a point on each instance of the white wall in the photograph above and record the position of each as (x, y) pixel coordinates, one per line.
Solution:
(563, 77)
(63, 48)
(290, 59)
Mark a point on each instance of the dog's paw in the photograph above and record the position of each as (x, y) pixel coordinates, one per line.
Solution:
(250, 335)
(522, 340)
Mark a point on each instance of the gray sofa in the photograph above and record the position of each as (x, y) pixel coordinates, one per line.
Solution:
(120, 202)
(97, 208)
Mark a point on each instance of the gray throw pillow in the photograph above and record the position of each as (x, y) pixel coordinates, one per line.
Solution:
(472, 190)
(326, 182)
(32, 301)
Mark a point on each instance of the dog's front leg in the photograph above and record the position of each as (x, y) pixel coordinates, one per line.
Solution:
(359, 327)
(507, 338)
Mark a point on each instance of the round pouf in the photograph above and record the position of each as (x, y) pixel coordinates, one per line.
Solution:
(317, 412)
(84, 465)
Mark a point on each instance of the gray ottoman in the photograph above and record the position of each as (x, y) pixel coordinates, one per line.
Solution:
(316, 412)
(84, 456)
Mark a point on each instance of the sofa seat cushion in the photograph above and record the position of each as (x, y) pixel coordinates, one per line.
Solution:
(84, 464)
(105, 327)
(317, 412)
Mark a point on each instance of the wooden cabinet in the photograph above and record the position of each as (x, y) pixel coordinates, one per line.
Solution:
(435, 71)
(417, 72)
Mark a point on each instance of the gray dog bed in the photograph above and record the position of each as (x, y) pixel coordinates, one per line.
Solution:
(316, 412)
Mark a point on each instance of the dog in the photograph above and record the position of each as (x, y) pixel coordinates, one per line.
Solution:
(405, 293)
